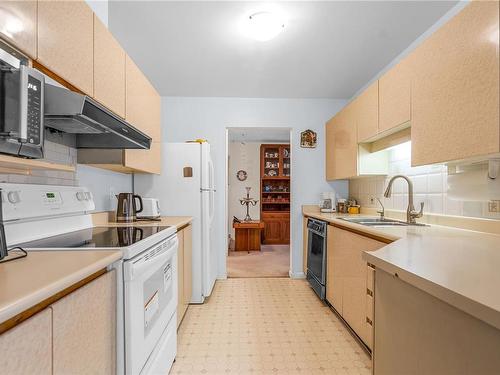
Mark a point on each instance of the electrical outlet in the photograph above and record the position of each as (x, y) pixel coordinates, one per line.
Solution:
(494, 206)
(372, 200)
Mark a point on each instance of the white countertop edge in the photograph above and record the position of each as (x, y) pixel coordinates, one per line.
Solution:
(457, 300)
(40, 295)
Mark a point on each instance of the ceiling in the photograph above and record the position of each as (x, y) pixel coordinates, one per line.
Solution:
(263, 135)
(328, 49)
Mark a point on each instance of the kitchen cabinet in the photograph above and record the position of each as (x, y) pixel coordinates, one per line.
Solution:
(184, 272)
(416, 333)
(365, 113)
(305, 243)
(18, 21)
(347, 278)
(66, 41)
(143, 110)
(341, 145)
(394, 97)
(109, 69)
(27, 348)
(455, 89)
(84, 329)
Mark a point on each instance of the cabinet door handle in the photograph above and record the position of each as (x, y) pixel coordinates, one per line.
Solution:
(369, 321)
(369, 292)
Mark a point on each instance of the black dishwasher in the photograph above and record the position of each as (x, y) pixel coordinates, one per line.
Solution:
(316, 256)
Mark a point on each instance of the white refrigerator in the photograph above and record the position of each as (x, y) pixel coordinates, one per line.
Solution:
(185, 187)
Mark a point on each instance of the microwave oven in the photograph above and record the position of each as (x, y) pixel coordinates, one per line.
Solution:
(21, 109)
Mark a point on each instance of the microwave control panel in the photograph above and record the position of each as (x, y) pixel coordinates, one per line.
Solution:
(34, 110)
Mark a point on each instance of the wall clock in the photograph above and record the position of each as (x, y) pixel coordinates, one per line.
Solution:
(241, 175)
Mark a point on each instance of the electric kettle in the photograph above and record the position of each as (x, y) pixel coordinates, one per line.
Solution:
(127, 210)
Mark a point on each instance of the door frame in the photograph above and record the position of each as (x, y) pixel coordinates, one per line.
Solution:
(226, 186)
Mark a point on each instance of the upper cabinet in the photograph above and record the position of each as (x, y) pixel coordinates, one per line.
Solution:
(366, 113)
(66, 41)
(394, 97)
(109, 69)
(143, 110)
(341, 145)
(18, 25)
(455, 90)
(142, 101)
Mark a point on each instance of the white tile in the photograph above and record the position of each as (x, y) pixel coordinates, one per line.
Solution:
(472, 209)
(434, 203)
(419, 184)
(452, 207)
(435, 183)
(400, 202)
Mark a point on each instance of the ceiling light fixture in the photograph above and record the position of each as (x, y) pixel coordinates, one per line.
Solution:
(264, 26)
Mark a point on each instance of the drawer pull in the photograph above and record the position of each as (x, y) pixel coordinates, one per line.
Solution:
(369, 292)
(369, 321)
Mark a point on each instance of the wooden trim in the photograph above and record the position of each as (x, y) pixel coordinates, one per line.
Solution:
(393, 139)
(22, 164)
(55, 77)
(362, 233)
(21, 317)
(183, 227)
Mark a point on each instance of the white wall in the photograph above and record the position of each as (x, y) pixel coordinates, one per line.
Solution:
(243, 156)
(104, 185)
(101, 9)
(189, 118)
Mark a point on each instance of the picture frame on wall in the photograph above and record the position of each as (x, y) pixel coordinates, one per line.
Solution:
(308, 139)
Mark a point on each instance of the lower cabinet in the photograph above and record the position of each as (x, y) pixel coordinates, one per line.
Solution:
(184, 273)
(276, 228)
(84, 329)
(75, 335)
(348, 279)
(27, 348)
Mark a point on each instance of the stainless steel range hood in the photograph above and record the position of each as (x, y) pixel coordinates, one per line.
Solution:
(93, 125)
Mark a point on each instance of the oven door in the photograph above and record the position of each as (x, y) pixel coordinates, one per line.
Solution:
(316, 249)
(150, 298)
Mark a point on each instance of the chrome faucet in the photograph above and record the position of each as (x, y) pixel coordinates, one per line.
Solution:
(411, 214)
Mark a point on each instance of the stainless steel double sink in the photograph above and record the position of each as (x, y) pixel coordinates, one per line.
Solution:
(376, 222)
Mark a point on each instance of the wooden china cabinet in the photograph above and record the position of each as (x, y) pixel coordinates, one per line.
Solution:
(275, 167)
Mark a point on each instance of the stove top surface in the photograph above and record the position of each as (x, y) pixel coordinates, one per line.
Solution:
(98, 237)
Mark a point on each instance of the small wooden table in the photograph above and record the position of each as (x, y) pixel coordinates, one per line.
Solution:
(247, 235)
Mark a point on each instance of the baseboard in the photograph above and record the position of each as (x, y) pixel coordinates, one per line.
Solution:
(296, 275)
(222, 277)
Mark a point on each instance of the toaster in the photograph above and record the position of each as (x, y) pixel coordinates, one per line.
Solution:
(150, 209)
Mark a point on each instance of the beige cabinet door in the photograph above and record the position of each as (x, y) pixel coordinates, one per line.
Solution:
(109, 69)
(305, 243)
(142, 102)
(455, 90)
(180, 278)
(146, 161)
(365, 108)
(335, 259)
(66, 41)
(394, 97)
(342, 146)
(27, 348)
(18, 24)
(84, 329)
(188, 264)
(347, 277)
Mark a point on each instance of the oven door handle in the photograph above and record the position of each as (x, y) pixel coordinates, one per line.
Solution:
(145, 266)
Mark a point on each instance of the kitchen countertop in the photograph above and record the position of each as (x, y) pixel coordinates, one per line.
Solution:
(106, 219)
(42, 274)
(460, 267)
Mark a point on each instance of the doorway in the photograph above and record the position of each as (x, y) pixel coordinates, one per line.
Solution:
(258, 191)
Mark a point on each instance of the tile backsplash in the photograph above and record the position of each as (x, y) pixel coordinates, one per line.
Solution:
(429, 185)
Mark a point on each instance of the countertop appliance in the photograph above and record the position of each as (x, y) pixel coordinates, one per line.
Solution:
(150, 209)
(328, 202)
(126, 209)
(44, 217)
(21, 107)
(94, 125)
(316, 256)
(185, 187)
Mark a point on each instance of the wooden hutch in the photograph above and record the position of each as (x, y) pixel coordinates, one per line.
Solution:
(275, 167)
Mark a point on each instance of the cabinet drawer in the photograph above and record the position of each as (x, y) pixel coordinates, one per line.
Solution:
(370, 278)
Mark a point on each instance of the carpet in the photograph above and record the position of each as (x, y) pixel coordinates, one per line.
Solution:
(271, 261)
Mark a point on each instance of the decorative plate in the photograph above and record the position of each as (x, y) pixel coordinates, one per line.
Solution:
(241, 175)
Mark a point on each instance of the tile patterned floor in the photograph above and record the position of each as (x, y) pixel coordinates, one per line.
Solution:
(266, 326)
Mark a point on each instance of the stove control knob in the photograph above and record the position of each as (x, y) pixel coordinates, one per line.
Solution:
(80, 195)
(13, 197)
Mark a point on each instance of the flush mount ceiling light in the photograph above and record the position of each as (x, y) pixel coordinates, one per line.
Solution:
(264, 26)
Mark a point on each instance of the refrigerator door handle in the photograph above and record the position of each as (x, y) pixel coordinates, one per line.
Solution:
(212, 206)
